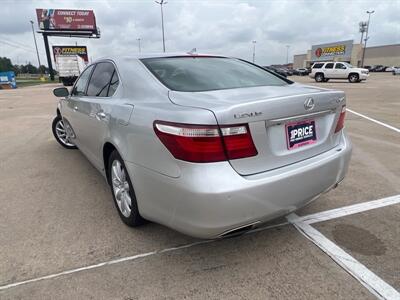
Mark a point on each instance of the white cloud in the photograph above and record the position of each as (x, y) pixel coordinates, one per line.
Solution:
(224, 27)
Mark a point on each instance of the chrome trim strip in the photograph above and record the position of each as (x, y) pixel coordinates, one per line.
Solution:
(299, 117)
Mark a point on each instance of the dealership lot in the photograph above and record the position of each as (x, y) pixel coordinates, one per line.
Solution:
(57, 215)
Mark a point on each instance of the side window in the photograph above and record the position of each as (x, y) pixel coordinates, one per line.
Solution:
(340, 66)
(113, 84)
(317, 66)
(80, 86)
(329, 66)
(100, 81)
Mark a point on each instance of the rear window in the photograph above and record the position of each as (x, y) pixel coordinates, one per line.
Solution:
(197, 74)
(317, 66)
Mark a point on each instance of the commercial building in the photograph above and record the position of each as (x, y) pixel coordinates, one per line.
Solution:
(387, 55)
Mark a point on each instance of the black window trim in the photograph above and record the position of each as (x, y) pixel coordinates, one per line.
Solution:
(318, 63)
(337, 63)
(333, 65)
(119, 79)
(90, 77)
(87, 83)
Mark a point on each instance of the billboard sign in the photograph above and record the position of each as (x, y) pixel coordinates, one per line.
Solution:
(71, 50)
(324, 52)
(66, 19)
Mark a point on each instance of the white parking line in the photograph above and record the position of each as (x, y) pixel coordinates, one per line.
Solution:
(294, 219)
(102, 264)
(348, 210)
(371, 281)
(373, 120)
(123, 259)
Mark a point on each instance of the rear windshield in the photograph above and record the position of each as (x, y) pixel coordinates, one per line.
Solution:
(196, 74)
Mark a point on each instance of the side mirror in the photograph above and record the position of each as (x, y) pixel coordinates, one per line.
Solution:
(61, 92)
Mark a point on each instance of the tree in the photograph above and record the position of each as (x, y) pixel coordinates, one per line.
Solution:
(5, 64)
(29, 68)
(43, 70)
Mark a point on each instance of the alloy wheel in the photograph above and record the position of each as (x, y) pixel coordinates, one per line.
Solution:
(353, 78)
(120, 187)
(62, 134)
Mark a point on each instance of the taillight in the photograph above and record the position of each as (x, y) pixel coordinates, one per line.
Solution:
(340, 123)
(206, 143)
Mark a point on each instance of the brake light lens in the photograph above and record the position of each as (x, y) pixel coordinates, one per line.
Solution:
(340, 123)
(206, 143)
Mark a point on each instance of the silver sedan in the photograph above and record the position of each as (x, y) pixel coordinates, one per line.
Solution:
(207, 145)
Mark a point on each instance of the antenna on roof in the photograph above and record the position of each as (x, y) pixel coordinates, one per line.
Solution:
(193, 51)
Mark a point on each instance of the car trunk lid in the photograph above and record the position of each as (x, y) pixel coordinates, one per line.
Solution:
(269, 110)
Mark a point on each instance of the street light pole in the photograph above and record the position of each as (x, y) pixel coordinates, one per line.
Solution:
(254, 51)
(138, 39)
(366, 36)
(287, 54)
(34, 38)
(162, 2)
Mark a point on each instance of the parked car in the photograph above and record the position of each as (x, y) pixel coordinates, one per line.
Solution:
(276, 70)
(396, 71)
(289, 72)
(390, 69)
(301, 71)
(377, 68)
(207, 145)
(324, 71)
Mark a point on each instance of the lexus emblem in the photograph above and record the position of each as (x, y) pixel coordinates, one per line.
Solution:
(309, 104)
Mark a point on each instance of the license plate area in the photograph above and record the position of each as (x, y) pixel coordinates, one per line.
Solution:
(301, 133)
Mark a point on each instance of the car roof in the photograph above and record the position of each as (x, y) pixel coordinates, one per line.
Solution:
(159, 55)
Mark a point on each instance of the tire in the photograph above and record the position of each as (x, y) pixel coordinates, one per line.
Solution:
(60, 133)
(119, 179)
(319, 77)
(353, 78)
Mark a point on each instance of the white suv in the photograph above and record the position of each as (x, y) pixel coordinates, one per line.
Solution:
(324, 71)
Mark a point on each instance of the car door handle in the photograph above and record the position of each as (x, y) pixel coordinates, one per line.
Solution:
(101, 116)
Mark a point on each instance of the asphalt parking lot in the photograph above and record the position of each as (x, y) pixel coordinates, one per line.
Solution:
(61, 237)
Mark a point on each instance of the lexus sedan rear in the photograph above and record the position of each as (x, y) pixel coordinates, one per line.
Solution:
(206, 145)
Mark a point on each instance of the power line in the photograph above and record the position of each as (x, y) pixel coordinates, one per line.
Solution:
(18, 45)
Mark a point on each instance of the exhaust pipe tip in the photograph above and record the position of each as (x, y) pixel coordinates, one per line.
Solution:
(237, 231)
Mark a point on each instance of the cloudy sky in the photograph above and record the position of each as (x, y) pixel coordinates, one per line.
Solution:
(220, 26)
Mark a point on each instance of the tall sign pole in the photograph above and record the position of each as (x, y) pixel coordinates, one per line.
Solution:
(162, 2)
(140, 49)
(46, 45)
(287, 54)
(34, 38)
(254, 51)
(366, 36)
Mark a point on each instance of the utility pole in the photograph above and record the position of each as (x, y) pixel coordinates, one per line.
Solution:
(254, 51)
(34, 38)
(287, 54)
(162, 2)
(138, 39)
(366, 36)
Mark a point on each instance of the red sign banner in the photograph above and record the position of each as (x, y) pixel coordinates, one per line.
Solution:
(66, 19)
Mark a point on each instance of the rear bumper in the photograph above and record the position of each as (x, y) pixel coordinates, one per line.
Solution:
(210, 199)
